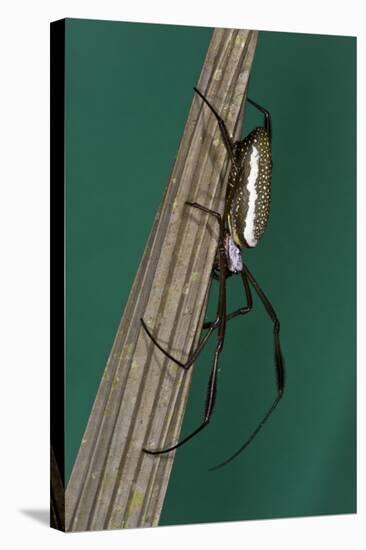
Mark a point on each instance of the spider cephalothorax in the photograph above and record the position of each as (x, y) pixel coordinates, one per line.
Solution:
(245, 217)
(233, 256)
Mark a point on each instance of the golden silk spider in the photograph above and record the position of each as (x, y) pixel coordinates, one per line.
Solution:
(246, 211)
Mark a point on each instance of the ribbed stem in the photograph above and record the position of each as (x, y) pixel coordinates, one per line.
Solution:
(142, 395)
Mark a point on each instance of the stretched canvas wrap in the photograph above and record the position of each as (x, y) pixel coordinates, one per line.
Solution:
(131, 143)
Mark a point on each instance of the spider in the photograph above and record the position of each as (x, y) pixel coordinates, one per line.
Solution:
(246, 211)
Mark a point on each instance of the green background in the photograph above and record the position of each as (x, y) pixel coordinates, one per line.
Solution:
(128, 91)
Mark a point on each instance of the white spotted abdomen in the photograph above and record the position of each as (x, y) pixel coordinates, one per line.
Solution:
(249, 189)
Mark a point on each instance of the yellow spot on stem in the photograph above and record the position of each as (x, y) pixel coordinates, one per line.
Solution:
(218, 74)
(136, 500)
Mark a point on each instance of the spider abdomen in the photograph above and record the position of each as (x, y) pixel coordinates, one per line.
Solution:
(249, 189)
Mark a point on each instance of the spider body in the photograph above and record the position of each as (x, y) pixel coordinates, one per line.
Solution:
(248, 197)
(246, 211)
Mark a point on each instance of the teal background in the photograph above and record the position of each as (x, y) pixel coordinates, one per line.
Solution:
(128, 91)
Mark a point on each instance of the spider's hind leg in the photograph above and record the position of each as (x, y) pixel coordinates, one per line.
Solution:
(210, 403)
(279, 365)
(212, 384)
(192, 357)
(211, 326)
(241, 310)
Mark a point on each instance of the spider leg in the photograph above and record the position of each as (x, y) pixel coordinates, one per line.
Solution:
(224, 131)
(279, 363)
(211, 326)
(267, 117)
(208, 211)
(210, 402)
(242, 310)
(192, 357)
(249, 298)
(221, 322)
